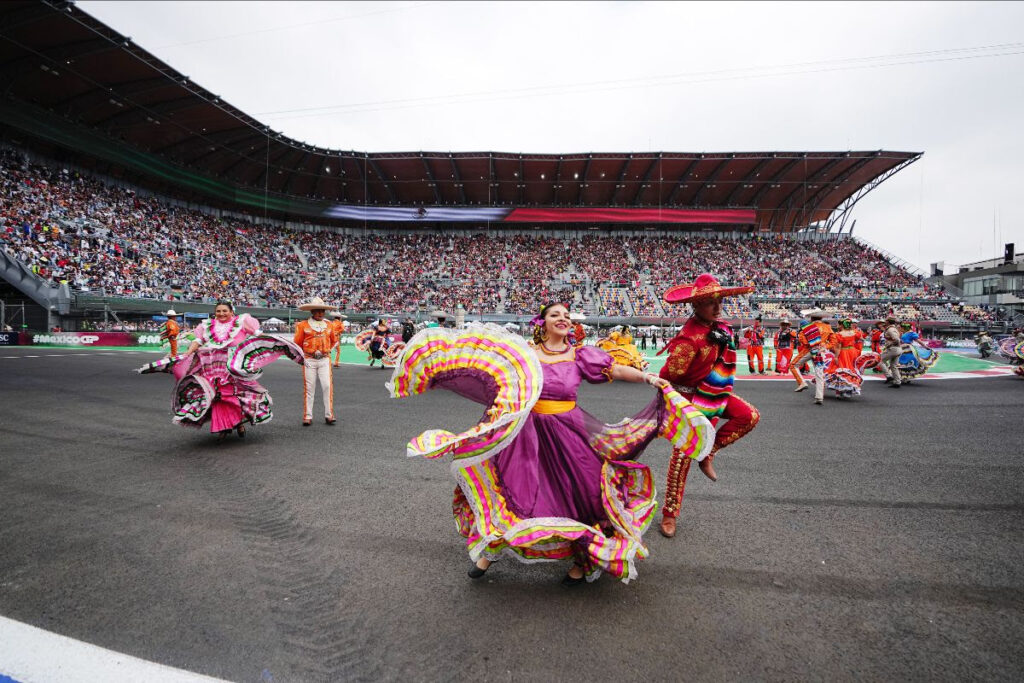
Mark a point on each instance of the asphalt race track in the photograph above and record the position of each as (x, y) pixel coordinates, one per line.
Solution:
(873, 539)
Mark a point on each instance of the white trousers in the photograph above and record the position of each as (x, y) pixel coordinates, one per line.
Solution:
(817, 370)
(314, 369)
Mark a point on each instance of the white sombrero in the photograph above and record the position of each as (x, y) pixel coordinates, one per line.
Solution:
(171, 312)
(316, 304)
(812, 313)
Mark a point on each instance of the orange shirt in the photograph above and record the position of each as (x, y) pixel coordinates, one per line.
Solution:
(171, 329)
(828, 338)
(338, 328)
(312, 341)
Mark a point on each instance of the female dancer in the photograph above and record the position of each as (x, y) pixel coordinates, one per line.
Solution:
(916, 359)
(851, 343)
(539, 478)
(217, 374)
(379, 342)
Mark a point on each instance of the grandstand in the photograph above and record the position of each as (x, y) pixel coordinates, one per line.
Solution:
(126, 185)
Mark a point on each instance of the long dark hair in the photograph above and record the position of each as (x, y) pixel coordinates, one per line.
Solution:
(538, 330)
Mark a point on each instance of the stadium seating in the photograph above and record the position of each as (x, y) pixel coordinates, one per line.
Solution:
(97, 237)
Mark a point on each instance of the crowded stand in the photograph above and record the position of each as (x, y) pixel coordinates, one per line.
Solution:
(613, 302)
(113, 240)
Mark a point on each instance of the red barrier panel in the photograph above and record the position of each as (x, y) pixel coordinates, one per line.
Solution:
(617, 215)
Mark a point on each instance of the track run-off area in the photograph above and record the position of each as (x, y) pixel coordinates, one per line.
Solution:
(875, 538)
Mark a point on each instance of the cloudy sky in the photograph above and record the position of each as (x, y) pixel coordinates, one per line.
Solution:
(940, 78)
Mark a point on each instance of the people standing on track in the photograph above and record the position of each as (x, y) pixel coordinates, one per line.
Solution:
(876, 336)
(701, 366)
(562, 485)
(784, 342)
(338, 327)
(892, 349)
(171, 331)
(579, 334)
(316, 337)
(876, 342)
(755, 345)
(813, 338)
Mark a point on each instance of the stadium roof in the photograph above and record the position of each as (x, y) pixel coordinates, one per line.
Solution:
(76, 82)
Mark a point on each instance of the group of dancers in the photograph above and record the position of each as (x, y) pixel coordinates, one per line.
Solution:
(835, 357)
(217, 375)
(538, 478)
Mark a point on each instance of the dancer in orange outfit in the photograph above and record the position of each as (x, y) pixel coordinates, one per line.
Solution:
(850, 340)
(316, 337)
(338, 327)
(701, 365)
(784, 342)
(579, 335)
(755, 345)
(804, 352)
(171, 331)
(876, 336)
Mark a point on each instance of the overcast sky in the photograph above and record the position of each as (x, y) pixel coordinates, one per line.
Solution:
(946, 79)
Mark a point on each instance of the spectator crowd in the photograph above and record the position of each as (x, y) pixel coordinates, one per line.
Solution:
(113, 240)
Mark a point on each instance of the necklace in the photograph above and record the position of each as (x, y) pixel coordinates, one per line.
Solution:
(548, 351)
(224, 328)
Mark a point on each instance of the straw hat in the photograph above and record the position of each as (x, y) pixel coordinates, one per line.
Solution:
(785, 322)
(812, 313)
(316, 304)
(705, 287)
(171, 312)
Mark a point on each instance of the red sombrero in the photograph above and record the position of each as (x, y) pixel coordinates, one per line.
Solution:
(705, 287)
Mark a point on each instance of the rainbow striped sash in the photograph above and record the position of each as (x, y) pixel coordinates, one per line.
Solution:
(714, 391)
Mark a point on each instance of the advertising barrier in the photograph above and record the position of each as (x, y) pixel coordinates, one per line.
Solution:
(9, 338)
(87, 339)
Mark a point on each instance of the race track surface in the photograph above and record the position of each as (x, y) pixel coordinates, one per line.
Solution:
(872, 539)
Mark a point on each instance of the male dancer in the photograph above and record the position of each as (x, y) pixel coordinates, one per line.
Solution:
(701, 365)
(892, 349)
(785, 340)
(337, 327)
(578, 333)
(876, 336)
(171, 331)
(755, 345)
(316, 337)
(814, 337)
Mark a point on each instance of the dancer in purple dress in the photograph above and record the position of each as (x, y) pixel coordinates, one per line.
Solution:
(539, 478)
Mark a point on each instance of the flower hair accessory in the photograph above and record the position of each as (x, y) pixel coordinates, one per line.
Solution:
(537, 321)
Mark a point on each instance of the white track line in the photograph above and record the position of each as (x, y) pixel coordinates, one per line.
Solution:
(30, 655)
